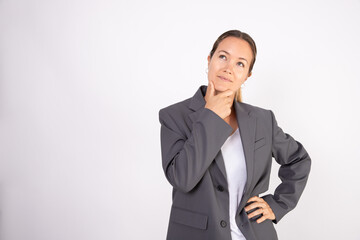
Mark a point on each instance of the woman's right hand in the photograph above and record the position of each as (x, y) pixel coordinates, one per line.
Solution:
(218, 103)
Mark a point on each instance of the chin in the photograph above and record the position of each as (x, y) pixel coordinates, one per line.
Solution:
(221, 87)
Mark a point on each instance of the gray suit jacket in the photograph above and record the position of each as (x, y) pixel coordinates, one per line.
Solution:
(191, 141)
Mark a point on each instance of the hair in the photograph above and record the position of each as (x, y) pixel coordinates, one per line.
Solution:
(241, 35)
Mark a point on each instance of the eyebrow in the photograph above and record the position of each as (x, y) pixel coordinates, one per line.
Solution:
(230, 54)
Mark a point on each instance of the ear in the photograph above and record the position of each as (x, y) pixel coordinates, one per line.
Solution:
(208, 58)
(249, 74)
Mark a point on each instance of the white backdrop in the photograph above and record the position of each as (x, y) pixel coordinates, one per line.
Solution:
(81, 84)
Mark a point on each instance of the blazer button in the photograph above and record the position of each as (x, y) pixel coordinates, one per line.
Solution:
(223, 223)
(220, 188)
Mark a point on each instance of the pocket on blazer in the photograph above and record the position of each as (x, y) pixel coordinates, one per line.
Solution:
(259, 143)
(188, 218)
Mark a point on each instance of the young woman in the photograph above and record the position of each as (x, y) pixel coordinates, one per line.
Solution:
(217, 154)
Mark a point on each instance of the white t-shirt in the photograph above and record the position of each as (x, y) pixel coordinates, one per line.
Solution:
(235, 165)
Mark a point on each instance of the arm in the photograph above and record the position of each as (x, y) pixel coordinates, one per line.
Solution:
(294, 171)
(185, 161)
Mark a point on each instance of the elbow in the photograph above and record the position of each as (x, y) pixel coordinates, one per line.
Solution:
(178, 179)
(309, 162)
(306, 161)
(184, 188)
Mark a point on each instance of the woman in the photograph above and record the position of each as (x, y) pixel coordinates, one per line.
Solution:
(217, 154)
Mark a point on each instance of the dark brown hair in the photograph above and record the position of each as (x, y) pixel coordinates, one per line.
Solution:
(236, 33)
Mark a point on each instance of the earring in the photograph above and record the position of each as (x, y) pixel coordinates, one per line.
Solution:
(243, 85)
(206, 70)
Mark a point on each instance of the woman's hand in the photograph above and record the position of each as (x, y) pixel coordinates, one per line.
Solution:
(220, 103)
(265, 209)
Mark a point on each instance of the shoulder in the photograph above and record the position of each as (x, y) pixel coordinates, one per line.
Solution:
(175, 110)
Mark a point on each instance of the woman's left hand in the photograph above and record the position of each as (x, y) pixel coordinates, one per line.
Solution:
(265, 209)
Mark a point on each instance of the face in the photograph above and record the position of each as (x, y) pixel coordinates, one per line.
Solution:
(229, 66)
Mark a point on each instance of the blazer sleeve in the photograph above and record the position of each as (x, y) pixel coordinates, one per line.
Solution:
(186, 159)
(293, 172)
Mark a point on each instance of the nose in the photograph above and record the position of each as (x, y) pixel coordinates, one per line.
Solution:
(227, 71)
(228, 68)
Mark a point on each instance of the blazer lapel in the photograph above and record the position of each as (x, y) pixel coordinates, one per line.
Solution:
(247, 127)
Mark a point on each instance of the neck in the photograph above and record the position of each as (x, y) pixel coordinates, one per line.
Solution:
(231, 119)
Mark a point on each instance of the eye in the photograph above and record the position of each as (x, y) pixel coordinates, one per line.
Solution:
(240, 64)
(222, 57)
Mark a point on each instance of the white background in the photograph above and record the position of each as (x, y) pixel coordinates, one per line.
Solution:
(81, 84)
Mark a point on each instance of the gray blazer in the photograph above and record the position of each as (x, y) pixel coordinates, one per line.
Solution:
(191, 141)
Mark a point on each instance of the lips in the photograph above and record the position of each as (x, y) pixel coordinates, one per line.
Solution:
(224, 79)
